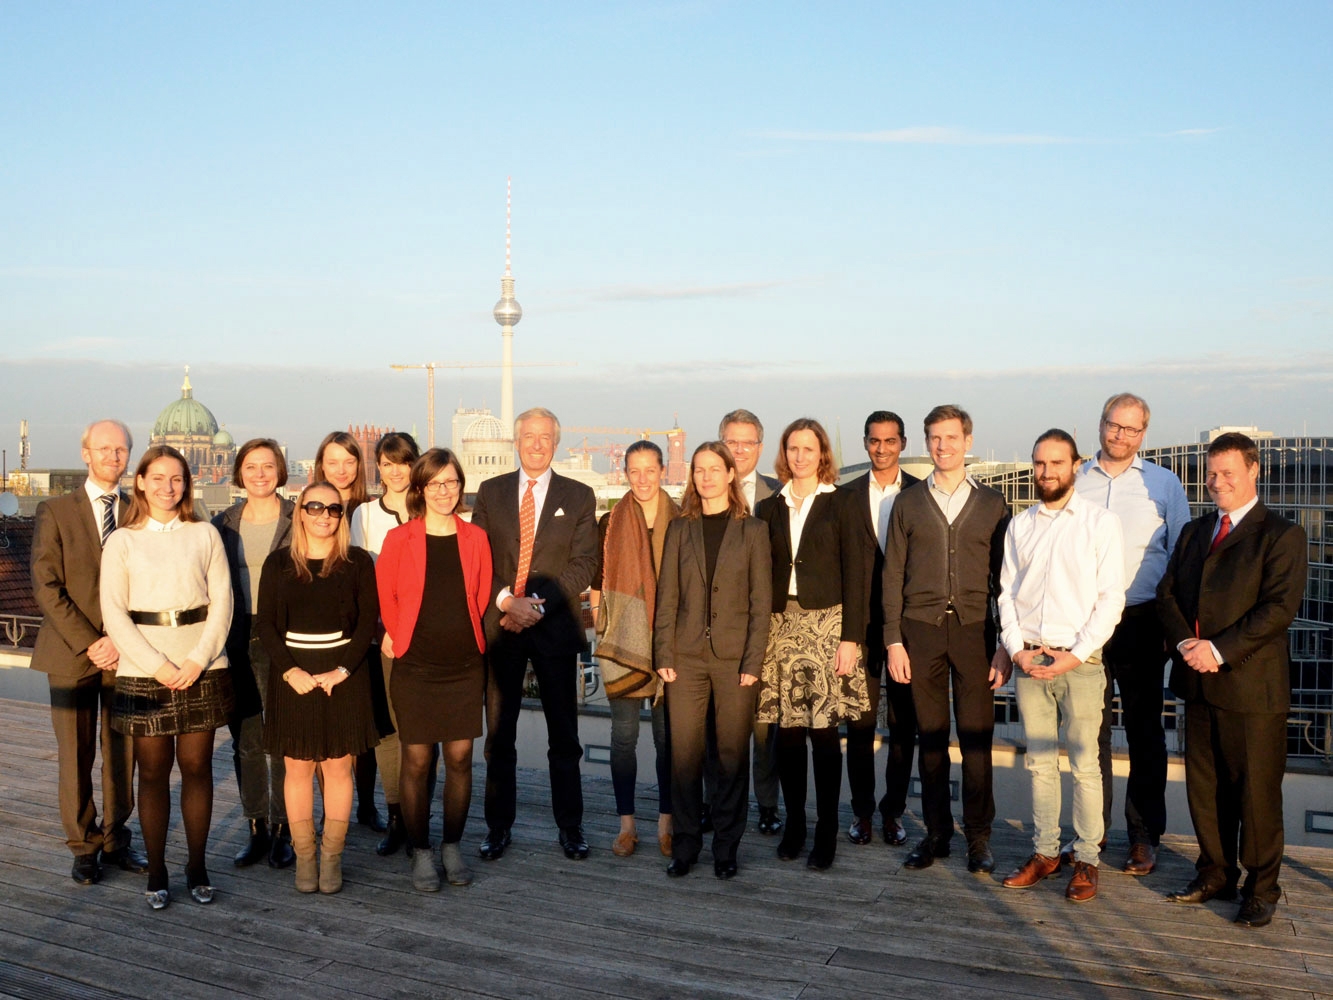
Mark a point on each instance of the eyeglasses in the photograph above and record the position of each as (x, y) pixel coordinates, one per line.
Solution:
(314, 508)
(444, 486)
(734, 445)
(1114, 429)
(110, 452)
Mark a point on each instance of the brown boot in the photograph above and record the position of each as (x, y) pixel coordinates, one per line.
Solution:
(331, 855)
(303, 843)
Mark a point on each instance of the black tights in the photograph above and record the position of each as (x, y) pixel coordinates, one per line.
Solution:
(154, 756)
(414, 790)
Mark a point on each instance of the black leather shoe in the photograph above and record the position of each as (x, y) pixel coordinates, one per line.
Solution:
(678, 868)
(706, 819)
(493, 847)
(368, 815)
(127, 859)
(1254, 912)
(724, 869)
(859, 832)
(280, 853)
(770, 822)
(1200, 890)
(980, 861)
(394, 836)
(571, 839)
(925, 853)
(256, 847)
(894, 834)
(86, 870)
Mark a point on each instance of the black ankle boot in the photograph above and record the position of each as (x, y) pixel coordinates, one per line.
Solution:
(281, 854)
(396, 834)
(825, 846)
(256, 848)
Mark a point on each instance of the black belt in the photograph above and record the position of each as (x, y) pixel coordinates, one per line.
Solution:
(1054, 649)
(171, 619)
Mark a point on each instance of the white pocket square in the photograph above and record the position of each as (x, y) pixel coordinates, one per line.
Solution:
(560, 512)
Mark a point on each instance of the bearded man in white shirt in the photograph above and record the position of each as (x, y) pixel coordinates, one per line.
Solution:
(1062, 590)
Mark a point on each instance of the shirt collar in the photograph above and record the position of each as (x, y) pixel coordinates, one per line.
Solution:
(821, 488)
(1094, 464)
(930, 480)
(152, 524)
(1075, 502)
(1240, 513)
(543, 480)
(95, 492)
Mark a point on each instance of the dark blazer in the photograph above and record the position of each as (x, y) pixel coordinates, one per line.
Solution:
(66, 565)
(400, 575)
(829, 563)
(1243, 596)
(228, 523)
(858, 496)
(564, 555)
(764, 487)
(732, 621)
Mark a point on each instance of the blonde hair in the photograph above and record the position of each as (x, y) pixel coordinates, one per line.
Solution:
(300, 548)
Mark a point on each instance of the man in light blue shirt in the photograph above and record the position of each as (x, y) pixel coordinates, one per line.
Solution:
(1152, 508)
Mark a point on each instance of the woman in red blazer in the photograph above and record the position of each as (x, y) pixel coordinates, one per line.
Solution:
(434, 577)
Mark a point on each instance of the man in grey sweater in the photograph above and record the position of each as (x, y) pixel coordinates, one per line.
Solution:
(941, 577)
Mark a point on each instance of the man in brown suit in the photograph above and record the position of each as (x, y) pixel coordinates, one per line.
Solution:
(80, 660)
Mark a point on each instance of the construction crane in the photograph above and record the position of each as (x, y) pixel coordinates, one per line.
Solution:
(675, 460)
(430, 367)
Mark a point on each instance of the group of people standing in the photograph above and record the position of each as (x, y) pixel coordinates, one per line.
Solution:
(340, 635)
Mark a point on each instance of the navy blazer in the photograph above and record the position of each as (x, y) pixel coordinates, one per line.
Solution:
(1243, 598)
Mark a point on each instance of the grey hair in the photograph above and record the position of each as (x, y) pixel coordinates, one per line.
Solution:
(537, 412)
(740, 417)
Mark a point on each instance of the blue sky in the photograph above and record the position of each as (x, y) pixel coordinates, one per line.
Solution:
(813, 210)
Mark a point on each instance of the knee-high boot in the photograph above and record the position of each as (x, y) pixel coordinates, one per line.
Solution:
(792, 764)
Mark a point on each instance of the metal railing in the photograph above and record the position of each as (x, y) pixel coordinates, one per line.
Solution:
(20, 630)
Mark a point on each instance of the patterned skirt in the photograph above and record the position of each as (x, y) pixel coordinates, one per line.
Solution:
(799, 685)
(145, 707)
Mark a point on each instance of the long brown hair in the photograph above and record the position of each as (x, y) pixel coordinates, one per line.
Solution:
(357, 493)
(300, 547)
(139, 509)
(828, 472)
(691, 506)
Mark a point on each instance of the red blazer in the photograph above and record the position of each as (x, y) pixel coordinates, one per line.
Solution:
(400, 575)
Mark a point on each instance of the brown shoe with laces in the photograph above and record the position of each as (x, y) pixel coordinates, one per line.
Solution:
(1032, 871)
(1142, 860)
(1083, 885)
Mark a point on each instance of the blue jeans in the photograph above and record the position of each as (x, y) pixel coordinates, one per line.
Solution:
(625, 753)
(1076, 699)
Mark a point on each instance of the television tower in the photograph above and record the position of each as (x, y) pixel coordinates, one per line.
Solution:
(507, 313)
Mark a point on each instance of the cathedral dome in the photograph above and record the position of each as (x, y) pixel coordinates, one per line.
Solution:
(484, 428)
(222, 439)
(186, 416)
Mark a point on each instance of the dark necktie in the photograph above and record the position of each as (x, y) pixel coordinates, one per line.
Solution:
(108, 515)
(527, 533)
(1223, 530)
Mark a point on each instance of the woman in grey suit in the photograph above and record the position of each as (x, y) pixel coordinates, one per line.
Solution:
(713, 601)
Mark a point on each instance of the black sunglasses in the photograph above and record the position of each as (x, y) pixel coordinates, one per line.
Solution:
(314, 508)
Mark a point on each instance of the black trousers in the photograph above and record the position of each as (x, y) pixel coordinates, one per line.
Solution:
(557, 678)
(697, 683)
(941, 655)
(902, 744)
(1234, 763)
(1135, 663)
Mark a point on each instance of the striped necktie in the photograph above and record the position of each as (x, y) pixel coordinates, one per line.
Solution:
(108, 515)
(527, 533)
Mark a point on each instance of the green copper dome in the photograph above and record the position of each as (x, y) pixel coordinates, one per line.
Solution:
(186, 415)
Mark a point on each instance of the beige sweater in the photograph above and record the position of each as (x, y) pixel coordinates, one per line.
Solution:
(145, 568)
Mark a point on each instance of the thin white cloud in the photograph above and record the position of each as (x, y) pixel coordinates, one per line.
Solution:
(924, 135)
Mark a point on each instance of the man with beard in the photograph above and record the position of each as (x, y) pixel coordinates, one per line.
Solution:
(1062, 589)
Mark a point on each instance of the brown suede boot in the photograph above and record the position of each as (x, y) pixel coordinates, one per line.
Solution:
(303, 843)
(331, 855)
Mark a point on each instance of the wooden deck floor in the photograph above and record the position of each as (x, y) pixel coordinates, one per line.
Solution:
(536, 925)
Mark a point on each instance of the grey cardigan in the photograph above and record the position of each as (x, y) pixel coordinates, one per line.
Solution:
(733, 625)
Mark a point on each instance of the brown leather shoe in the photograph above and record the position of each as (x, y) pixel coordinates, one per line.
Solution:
(1142, 860)
(1083, 886)
(625, 844)
(1067, 852)
(1033, 870)
(664, 845)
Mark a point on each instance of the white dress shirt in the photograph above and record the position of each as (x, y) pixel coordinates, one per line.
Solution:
(796, 521)
(539, 498)
(95, 494)
(1063, 579)
(881, 505)
(748, 487)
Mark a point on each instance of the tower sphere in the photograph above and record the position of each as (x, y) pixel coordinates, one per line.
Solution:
(507, 311)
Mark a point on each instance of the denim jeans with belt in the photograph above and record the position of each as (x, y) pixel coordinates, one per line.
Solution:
(1074, 698)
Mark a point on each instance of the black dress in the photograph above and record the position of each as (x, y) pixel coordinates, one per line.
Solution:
(318, 625)
(439, 685)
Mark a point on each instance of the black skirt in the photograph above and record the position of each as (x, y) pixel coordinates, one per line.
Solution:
(145, 707)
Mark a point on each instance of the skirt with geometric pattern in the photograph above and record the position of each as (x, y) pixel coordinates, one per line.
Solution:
(799, 685)
(145, 707)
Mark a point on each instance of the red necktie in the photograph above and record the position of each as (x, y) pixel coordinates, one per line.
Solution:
(527, 531)
(1222, 532)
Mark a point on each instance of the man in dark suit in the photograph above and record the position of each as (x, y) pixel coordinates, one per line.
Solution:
(873, 495)
(1232, 588)
(80, 660)
(743, 434)
(543, 534)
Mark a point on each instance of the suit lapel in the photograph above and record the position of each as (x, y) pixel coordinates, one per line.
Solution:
(864, 500)
(696, 548)
(90, 519)
(1251, 522)
(554, 493)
